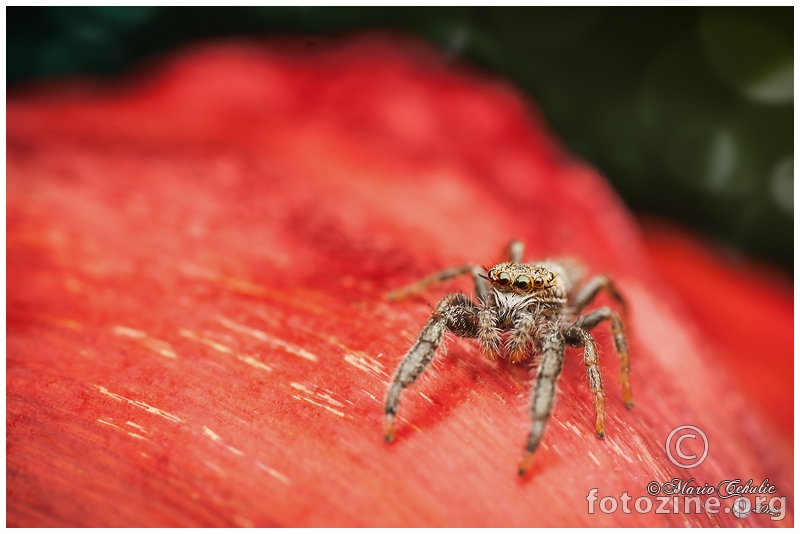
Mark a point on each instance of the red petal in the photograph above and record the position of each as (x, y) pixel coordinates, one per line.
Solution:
(197, 328)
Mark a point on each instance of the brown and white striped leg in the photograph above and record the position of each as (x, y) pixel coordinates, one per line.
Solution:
(594, 318)
(544, 393)
(588, 292)
(578, 337)
(481, 285)
(455, 313)
(514, 251)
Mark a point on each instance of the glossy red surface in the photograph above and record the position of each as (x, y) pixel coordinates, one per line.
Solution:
(197, 334)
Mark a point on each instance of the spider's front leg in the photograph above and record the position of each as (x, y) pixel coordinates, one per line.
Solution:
(481, 285)
(544, 393)
(455, 313)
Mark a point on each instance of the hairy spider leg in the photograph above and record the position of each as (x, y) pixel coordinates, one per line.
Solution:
(578, 337)
(521, 338)
(481, 285)
(588, 292)
(455, 313)
(592, 319)
(544, 393)
(514, 251)
(488, 333)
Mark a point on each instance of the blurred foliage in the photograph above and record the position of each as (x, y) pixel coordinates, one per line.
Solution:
(688, 111)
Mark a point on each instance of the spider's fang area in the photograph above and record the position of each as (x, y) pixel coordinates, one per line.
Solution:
(601, 434)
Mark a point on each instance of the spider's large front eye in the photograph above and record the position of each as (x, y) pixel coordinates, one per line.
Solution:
(503, 279)
(523, 283)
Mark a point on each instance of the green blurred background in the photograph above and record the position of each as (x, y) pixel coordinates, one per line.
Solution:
(687, 111)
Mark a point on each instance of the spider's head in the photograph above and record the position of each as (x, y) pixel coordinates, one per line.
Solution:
(520, 278)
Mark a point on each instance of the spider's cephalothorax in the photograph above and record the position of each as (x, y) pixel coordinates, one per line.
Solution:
(523, 309)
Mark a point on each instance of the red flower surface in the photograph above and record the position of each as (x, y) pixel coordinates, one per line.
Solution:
(197, 329)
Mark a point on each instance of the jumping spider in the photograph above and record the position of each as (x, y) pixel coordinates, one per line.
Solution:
(523, 309)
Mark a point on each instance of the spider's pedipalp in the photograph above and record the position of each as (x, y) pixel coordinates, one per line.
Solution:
(488, 332)
(520, 342)
(455, 313)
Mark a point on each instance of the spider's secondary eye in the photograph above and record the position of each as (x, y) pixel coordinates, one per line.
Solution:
(538, 282)
(491, 274)
(503, 279)
(523, 283)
